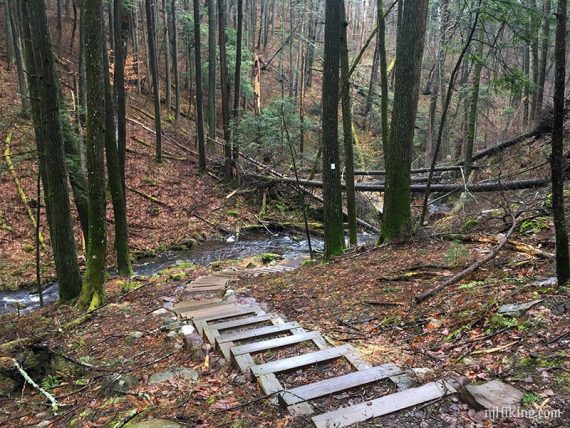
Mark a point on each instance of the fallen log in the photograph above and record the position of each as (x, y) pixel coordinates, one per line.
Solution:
(456, 278)
(492, 186)
(293, 181)
(414, 171)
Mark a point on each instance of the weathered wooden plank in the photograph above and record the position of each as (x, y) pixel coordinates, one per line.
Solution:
(201, 322)
(361, 412)
(355, 359)
(211, 331)
(269, 383)
(299, 361)
(241, 322)
(274, 343)
(205, 289)
(337, 384)
(206, 312)
(188, 305)
(258, 332)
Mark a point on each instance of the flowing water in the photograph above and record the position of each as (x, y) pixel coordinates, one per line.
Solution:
(293, 250)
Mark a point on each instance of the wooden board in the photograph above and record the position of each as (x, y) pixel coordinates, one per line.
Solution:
(215, 310)
(227, 314)
(337, 384)
(299, 361)
(211, 331)
(206, 289)
(274, 343)
(257, 332)
(188, 305)
(346, 416)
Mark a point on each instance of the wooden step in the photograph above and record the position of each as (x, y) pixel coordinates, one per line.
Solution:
(211, 331)
(361, 412)
(189, 305)
(201, 322)
(300, 361)
(337, 384)
(278, 342)
(192, 289)
(215, 310)
(258, 332)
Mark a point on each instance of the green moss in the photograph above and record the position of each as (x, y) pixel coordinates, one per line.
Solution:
(535, 225)
(270, 257)
(470, 223)
(28, 248)
(529, 398)
(563, 381)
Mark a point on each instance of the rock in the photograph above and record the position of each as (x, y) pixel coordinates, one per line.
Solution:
(402, 381)
(186, 330)
(172, 325)
(193, 343)
(160, 311)
(546, 282)
(155, 423)
(515, 309)
(422, 373)
(470, 362)
(182, 372)
(434, 324)
(247, 301)
(119, 384)
(134, 335)
(491, 395)
(168, 305)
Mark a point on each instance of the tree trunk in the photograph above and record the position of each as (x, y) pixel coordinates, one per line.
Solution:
(13, 8)
(10, 53)
(373, 78)
(153, 63)
(167, 51)
(237, 79)
(383, 73)
(44, 94)
(174, 55)
(557, 161)
(347, 132)
(120, 29)
(92, 292)
(225, 84)
(473, 107)
(545, 39)
(397, 221)
(534, 24)
(114, 172)
(332, 207)
(212, 69)
(199, 100)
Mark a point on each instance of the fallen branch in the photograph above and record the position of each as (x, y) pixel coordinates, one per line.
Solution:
(27, 378)
(517, 246)
(432, 291)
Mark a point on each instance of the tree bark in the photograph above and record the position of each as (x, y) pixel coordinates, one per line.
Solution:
(199, 100)
(545, 39)
(44, 91)
(237, 77)
(334, 234)
(174, 44)
(225, 84)
(120, 30)
(212, 69)
(153, 63)
(397, 220)
(347, 133)
(92, 291)
(557, 160)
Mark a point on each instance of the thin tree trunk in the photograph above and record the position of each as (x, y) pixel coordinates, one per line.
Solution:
(212, 69)
(225, 84)
(237, 78)
(543, 59)
(174, 55)
(114, 172)
(199, 100)
(151, 35)
(557, 161)
(120, 30)
(383, 74)
(15, 21)
(167, 51)
(347, 132)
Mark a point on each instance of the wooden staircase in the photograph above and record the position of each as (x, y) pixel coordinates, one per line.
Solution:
(223, 324)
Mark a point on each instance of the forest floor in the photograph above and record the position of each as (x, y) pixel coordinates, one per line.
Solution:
(364, 298)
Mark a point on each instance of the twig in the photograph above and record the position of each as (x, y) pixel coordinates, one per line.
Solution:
(432, 291)
(27, 378)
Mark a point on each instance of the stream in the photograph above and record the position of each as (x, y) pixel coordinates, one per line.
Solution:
(292, 248)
